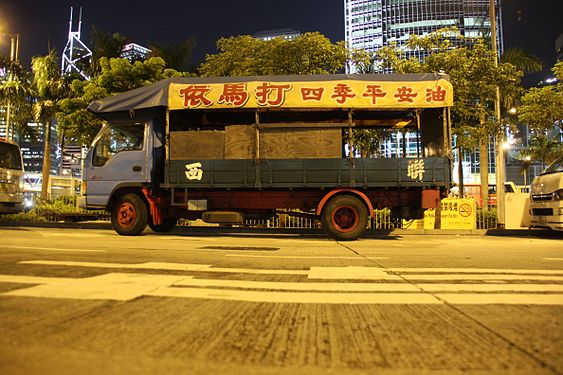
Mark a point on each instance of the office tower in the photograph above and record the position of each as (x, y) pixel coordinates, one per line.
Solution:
(372, 24)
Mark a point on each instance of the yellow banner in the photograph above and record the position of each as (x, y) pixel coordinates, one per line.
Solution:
(315, 94)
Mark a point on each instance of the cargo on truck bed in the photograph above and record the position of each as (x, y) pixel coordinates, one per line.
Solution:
(227, 149)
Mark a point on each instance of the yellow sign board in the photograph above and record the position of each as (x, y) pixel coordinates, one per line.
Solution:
(455, 214)
(349, 93)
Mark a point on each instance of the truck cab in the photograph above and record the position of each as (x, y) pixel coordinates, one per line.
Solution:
(122, 156)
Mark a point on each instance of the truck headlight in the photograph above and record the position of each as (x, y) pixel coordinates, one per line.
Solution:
(558, 195)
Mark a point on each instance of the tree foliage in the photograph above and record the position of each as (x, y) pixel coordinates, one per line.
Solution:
(310, 53)
(116, 76)
(473, 75)
(475, 78)
(542, 107)
(49, 87)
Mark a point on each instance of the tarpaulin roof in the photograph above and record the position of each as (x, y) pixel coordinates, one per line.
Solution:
(360, 91)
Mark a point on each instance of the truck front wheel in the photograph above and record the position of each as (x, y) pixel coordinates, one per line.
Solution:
(129, 215)
(344, 217)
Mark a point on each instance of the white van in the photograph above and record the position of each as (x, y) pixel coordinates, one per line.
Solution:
(546, 197)
(11, 178)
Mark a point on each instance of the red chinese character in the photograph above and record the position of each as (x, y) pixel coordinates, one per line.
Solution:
(194, 96)
(437, 95)
(271, 95)
(404, 94)
(312, 94)
(234, 93)
(374, 92)
(342, 91)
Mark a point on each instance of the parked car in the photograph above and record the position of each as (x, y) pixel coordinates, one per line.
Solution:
(546, 197)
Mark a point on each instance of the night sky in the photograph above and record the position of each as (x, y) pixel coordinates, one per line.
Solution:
(531, 25)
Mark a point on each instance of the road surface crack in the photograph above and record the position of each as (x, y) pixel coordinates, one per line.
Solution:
(499, 335)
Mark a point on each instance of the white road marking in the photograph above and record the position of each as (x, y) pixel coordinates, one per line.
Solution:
(478, 270)
(351, 273)
(412, 274)
(337, 273)
(301, 286)
(51, 249)
(395, 286)
(70, 234)
(370, 287)
(168, 267)
(303, 257)
(300, 297)
(503, 299)
(128, 286)
(111, 286)
(22, 279)
(488, 288)
(413, 277)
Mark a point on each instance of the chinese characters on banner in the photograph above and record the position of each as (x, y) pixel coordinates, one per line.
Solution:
(344, 93)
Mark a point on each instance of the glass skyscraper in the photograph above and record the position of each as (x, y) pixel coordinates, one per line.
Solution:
(372, 24)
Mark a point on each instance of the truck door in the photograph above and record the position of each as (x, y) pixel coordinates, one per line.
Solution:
(121, 156)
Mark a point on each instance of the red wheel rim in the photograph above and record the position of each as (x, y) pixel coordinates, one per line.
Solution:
(126, 215)
(345, 219)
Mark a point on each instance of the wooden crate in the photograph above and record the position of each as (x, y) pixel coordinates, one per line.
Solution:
(197, 145)
(300, 143)
(239, 142)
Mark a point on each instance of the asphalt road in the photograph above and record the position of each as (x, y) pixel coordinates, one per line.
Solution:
(92, 302)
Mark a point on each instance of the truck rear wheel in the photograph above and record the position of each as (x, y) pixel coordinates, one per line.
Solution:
(168, 223)
(344, 217)
(129, 215)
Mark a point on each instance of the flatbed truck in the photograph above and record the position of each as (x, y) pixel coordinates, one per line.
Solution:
(229, 149)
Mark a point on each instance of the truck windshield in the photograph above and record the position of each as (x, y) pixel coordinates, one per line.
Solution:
(10, 156)
(556, 166)
(117, 138)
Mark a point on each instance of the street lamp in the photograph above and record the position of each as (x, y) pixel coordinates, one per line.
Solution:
(500, 169)
(14, 49)
(527, 160)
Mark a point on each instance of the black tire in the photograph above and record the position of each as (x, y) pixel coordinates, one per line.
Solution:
(344, 218)
(168, 223)
(129, 215)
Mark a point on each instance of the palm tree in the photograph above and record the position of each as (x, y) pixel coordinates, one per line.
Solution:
(522, 60)
(543, 149)
(177, 56)
(49, 88)
(15, 93)
(104, 44)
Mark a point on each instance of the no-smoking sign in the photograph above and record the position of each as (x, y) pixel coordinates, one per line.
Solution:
(465, 210)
